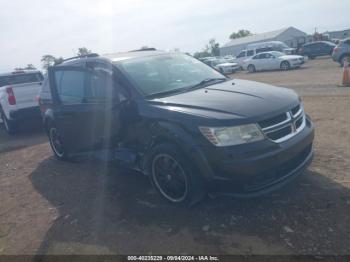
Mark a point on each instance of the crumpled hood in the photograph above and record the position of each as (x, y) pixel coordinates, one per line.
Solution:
(243, 99)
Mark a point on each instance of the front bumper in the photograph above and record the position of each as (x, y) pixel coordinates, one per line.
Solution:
(229, 70)
(298, 63)
(258, 168)
(25, 113)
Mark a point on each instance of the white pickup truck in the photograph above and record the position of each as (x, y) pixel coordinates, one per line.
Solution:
(18, 97)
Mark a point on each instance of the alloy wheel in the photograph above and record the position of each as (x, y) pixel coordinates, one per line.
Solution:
(55, 140)
(169, 178)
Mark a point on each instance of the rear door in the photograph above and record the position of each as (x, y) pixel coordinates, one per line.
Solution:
(263, 62)
(85, 109)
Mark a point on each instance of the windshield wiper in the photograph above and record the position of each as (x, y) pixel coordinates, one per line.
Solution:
(208, 81)
(203, 83)
(165, 93)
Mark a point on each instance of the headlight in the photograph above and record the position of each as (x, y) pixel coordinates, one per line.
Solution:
(235, 135)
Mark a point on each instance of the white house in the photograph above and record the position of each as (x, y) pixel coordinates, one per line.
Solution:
(291, 36)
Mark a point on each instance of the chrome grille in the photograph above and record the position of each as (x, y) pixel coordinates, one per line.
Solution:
(284, 126)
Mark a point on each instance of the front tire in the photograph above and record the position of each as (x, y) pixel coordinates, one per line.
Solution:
(174, 177)
(251, 69)
(285, 65)
(9, 125)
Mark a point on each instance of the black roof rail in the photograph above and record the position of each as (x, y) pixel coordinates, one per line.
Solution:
(79, 57)
(144, 49)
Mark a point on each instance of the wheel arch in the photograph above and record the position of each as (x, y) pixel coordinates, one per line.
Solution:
(173, 133)
(48, 118)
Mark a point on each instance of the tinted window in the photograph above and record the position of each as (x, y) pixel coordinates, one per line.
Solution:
(250, 52)
(347, 42)
(20, 79)
(241, 54)
(70, 85)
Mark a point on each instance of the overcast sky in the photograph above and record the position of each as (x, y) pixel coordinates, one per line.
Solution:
(30, 29)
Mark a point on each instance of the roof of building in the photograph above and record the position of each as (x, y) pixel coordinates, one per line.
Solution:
(256, 37)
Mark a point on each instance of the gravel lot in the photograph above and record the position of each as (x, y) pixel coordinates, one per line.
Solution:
(52, 207)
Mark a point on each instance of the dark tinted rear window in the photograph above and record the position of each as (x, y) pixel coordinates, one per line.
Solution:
(20, 79)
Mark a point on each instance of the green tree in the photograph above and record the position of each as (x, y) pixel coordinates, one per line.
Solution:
(201, 54)
(47, 61)
(214, 47)
(30, 67)
(50, 60)
(240, 33)
(58, 60)
(83, 51)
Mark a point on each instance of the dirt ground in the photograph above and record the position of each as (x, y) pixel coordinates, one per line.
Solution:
(91, 207)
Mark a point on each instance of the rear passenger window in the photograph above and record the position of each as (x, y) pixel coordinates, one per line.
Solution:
(70, 85)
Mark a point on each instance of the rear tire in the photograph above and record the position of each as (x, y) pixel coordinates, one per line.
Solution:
(56, 143)
(10, 126)
(285, 65)
(174, 177)
(251, 69)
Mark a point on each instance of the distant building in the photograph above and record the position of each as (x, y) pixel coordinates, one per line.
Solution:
(291, 36)
(338, 34)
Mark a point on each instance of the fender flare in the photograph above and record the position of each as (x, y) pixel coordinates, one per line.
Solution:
(173, 133)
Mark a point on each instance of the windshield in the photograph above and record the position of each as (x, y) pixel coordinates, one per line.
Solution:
(277, 54)
(165, 73)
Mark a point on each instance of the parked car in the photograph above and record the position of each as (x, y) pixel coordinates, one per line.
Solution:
(315, 49)
(258, 48)
(223, 66)
(18, 92)
(342, 52)
(272, 61)
(189, 131)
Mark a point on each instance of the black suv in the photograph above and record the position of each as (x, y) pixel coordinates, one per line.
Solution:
(189, 128)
